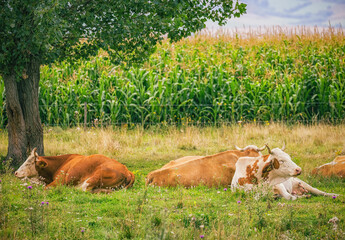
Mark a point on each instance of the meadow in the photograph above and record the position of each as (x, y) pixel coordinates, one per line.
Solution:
(199, 96)
(145, 212)
(291, 75)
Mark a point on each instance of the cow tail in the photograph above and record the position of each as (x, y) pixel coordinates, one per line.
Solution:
(149, 179)
(131, 181)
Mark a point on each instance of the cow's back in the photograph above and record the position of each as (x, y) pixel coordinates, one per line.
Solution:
(82, 167)
(209, 171)
(334, 168)
(179, 161)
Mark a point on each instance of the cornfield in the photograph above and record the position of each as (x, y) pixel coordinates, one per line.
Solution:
(294, 75)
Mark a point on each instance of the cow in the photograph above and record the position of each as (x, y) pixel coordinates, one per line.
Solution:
(334, 168)
(275, 169)
(94, 173)
(213, 170)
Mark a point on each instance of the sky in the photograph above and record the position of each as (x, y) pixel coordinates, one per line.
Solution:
(289, 13)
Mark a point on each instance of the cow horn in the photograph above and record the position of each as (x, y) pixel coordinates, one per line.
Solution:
(34, 152)
(238, 148)
(284, 146)
(262, 148)
(268, 149)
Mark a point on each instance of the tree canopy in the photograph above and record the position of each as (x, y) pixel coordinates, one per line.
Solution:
(51, 30)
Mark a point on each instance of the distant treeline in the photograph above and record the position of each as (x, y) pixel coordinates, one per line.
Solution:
(204, 79)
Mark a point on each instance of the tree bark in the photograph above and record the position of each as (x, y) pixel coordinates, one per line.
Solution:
(16, 125)
(28, 97)
(24, 124)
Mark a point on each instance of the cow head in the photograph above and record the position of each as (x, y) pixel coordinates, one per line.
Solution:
(279, 165)
(27, 169)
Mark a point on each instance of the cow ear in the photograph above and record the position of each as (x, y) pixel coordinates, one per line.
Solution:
(275, 163)
(41, 164)
(266, 170)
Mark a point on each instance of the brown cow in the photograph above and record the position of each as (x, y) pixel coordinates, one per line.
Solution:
(214, 170)
(95, 173)
(334, 168)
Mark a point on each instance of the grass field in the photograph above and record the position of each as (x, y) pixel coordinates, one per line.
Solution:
(161, 213)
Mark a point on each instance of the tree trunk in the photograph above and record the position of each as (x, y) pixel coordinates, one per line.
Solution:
(24, 124)
(16, 125)
(28, 97)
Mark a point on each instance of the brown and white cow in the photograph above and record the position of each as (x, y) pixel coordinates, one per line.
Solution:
(277, 170)
(213, 170)
(95, 173)
(334, 168)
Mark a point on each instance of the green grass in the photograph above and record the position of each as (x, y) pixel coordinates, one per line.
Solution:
(151, 213)
(175, 213)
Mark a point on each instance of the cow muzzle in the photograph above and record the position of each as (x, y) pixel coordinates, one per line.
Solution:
(18, 175)
(298, 171)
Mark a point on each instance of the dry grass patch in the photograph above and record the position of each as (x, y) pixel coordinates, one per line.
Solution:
(310, 146)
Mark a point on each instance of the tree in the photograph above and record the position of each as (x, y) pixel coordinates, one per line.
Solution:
(37, 32)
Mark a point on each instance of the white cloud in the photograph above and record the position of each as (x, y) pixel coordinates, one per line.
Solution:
(290, 13)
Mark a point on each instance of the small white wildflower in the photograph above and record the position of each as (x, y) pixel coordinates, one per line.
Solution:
(333, 220)
(281, 204)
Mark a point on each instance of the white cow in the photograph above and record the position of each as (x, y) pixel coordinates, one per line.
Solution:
(277, 170)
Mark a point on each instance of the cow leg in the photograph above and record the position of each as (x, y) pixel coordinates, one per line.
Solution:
(101, 190)
(281, 190)
(84, 185)
(313, 190)
(53, 184)
(103, 179)
(58, 180)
